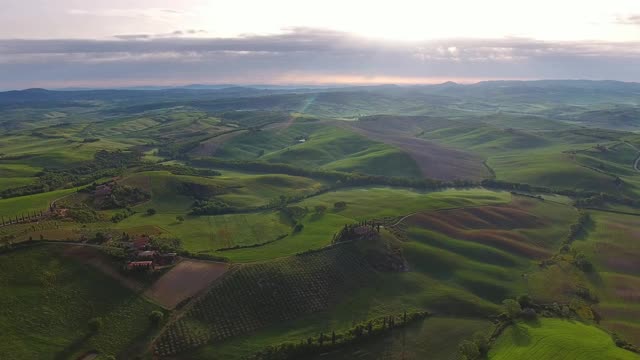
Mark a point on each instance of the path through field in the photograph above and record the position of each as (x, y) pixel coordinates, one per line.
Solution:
(636, 164)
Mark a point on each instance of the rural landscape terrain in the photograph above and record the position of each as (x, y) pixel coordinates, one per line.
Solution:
(496, 220)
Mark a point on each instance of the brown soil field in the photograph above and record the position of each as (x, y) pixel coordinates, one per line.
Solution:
(184, 280)
(491, 225)
(435, 161)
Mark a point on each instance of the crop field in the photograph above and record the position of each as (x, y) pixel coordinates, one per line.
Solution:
(210, 233)
(557, 339)
(613, 246)
(362, 203)
(484, 250)
(184, 280)
(74, 293)
(435, 161)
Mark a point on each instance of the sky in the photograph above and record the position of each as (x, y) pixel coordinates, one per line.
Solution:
(117, 43)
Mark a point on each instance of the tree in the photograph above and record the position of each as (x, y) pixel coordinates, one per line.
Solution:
(529, 314)
(95, 324)
(100, 237)
(525, 301)
(320, 209)
(180, 218)
(151, 211)
(469, 350)
(298, 228)
(340, 205)
(156, 317)
(512, 308)
(482, 342)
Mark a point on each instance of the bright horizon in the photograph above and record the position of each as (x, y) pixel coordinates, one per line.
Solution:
(120, 43)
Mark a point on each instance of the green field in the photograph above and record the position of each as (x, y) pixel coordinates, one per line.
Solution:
(557, 339)
(48, 299)
(23, 204)
(613, 246)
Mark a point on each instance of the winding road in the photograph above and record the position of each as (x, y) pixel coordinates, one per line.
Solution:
(636, 164)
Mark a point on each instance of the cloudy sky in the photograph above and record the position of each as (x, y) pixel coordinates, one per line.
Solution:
(107, 43)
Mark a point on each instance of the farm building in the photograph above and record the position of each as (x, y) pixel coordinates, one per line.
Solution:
(147, 255)
(140, 265)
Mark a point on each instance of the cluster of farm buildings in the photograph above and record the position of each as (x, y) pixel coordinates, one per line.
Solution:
(144, 256)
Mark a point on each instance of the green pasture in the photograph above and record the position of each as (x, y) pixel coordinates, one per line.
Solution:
(48, 299)
(556, 339)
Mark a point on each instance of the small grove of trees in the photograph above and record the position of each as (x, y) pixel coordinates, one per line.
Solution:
(211, 207)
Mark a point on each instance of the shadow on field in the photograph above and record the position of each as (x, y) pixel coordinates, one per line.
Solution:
(72, 348)
(520, 335)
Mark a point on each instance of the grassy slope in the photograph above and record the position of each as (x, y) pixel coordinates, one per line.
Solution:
(447, 278)
(472, 273)
(37, 202)
(613, 247)
(48, 300)
(436, 338)
(326, 146)
(240, 190)
(362, 203)
(556, 339)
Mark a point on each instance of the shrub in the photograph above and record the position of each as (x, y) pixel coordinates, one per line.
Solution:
(156, 317)
(529, 314)
(482, 342)
(151, 211)
(95, 324)
(525, 301)
(320, 209)
(340, 205)
(469, 350)
(298, 228)
(511, 308)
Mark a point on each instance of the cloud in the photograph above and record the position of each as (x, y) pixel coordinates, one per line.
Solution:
(629, 19)
(154, 13)
(176, 33)
(303, 53)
